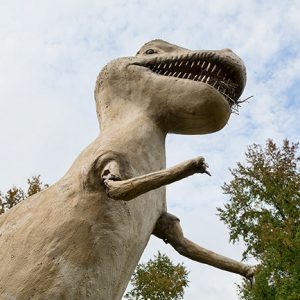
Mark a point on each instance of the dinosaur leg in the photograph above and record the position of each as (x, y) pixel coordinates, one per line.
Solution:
(131, 188)
(168, 228)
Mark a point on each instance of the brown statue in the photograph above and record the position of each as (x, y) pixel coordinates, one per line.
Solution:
(82, 237)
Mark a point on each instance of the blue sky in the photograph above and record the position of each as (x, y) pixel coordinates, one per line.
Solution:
(52, 51)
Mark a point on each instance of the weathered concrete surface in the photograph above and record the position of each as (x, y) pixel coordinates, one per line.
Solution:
(72, 241)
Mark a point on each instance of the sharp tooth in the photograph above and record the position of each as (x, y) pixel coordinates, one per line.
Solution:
(207, 80)
(219, 72)
(174, 74)
(184, 75)
(208, 66)
(187, 63)
(165, 66)
(176, 62)
(165, 72)
(198, 63)
(170, 65)
(203, 64)
(180, 64)
(179, 74)
(192, 64)
(203, 78)
(158, 66)
(170, 74)
(195, 77)
(214, 67)
(189, 76)
(214, 84)
(159, 71)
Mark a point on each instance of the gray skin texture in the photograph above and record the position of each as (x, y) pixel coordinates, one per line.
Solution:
(82, 238)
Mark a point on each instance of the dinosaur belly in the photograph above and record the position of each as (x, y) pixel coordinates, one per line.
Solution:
(67, 245)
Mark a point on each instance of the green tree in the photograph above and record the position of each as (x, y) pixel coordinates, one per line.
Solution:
(264, 212)
(16, 194)
(158, 279)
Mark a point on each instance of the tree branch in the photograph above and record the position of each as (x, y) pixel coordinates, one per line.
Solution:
(168, 228)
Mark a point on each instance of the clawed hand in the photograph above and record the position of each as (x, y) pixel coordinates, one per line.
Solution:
(201, 165)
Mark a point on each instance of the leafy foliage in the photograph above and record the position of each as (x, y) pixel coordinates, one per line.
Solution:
(16, 194)
(264, 212)
(158, 279)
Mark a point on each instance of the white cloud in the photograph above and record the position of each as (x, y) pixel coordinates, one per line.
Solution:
(51, 52)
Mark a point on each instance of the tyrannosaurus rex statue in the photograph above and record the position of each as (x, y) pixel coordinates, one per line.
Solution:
(81, 238)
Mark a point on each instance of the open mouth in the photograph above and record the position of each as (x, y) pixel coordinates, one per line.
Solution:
(206, 67)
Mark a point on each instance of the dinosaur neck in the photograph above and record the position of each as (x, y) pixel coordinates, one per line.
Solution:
(127, 126)
(141, 139)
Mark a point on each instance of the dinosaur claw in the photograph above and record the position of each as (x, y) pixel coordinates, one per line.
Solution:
(205, 167)
(250, 275)
(207, 173)
(202, 165)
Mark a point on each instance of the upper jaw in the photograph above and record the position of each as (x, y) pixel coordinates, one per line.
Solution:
(222, 70)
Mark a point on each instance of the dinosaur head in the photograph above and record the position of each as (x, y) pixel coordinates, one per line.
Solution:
(188, 92)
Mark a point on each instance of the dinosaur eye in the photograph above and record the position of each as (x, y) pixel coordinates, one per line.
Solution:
(150, 51)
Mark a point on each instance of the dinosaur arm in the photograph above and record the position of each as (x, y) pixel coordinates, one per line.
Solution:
(168, 228)
(131, 188)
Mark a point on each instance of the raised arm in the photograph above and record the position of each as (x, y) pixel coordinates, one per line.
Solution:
(128, 189)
